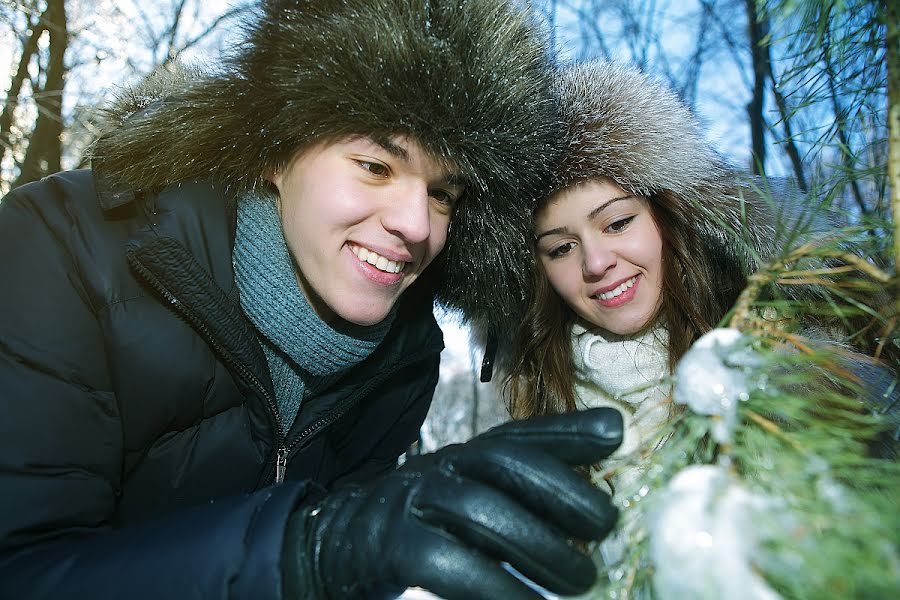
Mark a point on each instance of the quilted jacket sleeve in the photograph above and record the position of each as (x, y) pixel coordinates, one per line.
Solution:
(61, 448)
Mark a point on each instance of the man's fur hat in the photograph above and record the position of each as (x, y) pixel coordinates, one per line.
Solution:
(633, 129)
(469, 80)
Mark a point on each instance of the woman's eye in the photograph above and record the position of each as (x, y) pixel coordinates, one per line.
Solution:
(561, 250)
(443, 196)
(375, 168)
(620, 225)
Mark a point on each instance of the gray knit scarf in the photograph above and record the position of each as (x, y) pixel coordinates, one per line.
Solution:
(304, 354)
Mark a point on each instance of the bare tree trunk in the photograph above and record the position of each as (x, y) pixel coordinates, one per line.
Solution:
(892, 14)
(757, 32)
(45, 145)
(29, 47)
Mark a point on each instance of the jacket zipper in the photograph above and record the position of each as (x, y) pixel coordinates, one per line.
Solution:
(281, 453)
(332, 416)
(280, 464)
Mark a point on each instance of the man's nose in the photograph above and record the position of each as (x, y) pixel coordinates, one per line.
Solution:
(407, 214)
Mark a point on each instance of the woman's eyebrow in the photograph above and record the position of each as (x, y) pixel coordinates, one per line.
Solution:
(456, 180)
(590, 216)
(553, 231)
(593, 214)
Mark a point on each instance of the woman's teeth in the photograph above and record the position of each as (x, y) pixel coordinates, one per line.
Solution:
(376, 260)
(618, 291)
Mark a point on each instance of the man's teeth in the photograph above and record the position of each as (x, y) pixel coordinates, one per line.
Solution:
(618, 291)
(376, 260)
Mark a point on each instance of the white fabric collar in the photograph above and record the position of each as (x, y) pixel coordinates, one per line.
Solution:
(621, 366)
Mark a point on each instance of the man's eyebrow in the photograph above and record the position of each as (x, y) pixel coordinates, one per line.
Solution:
(591, 216)
(398, 151)
(392, 148)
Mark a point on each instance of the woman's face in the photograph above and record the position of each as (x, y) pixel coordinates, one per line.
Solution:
(602, 252)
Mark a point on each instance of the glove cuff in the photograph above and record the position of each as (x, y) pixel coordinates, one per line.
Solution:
(300, 556)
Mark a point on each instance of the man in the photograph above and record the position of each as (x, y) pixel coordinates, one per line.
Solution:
(215, 345)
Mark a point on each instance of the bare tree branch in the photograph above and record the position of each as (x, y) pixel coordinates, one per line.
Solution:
(736, 48)
(840, 115)
(790, 145)
(172, 33)
(212, 27)
(589, 27)
(691, 79)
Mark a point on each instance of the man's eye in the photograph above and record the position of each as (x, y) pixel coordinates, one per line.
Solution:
(375, 168)
(619, 225)
(561, 250)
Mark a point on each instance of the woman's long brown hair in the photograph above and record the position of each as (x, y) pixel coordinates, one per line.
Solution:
(700, 282)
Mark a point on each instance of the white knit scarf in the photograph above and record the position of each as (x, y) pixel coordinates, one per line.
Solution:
(626, 373)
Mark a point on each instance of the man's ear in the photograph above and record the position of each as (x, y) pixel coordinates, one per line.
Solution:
(272, 178)
(272, 175)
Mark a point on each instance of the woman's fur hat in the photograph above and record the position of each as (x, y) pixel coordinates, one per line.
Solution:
(633, 129)
(628, 127)
(469, 80)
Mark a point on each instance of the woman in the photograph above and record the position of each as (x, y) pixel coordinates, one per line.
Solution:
(644, 244)
(638, 251)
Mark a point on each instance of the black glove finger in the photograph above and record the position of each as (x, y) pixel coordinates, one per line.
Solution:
(497, 525)
(579, 438)
(545, 485)
(453, 571)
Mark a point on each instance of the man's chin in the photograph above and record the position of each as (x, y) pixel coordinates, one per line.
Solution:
(349, 317)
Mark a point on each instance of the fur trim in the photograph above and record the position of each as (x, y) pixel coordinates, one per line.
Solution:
(629, 127)
(469, 80)
(635, 130)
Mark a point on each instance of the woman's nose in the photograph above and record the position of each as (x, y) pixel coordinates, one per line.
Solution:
(597, 259)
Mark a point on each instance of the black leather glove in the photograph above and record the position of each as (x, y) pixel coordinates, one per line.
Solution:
(445, 521)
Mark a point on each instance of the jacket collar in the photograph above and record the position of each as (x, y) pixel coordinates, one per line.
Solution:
(109, 194)
(185, 253)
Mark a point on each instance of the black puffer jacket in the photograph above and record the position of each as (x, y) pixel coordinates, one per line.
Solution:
(138, 437)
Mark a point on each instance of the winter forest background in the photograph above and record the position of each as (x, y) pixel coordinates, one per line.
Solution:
(795, 88)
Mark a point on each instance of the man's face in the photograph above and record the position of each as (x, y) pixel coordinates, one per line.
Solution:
(362, 221)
